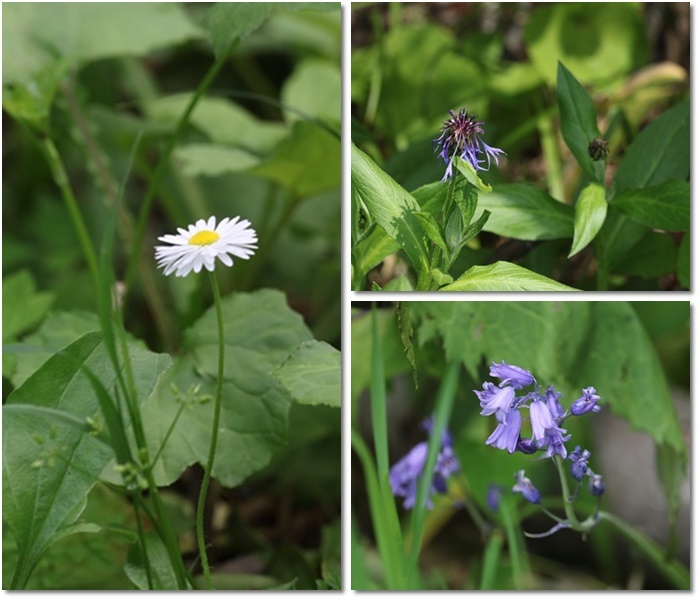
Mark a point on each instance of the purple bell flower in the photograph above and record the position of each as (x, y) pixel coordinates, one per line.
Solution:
(511, 375)
(554, 441)
(595, 484)
(506, 435)
(579, 468)
(524, 486)
(493, 496)
(541, 419)
(526, 446)
(552, 400)
(586, 403)
(496, 400)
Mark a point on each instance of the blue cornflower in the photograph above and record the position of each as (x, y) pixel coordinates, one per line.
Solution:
(586, 403)
(506, 435)
(403, 476)
(460, 136)
(524, 486)
(516, 377)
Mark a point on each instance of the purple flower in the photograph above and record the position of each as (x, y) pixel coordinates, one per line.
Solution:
(526, 446)
(595, 484)
(403, 476)
(586, 403)
(554, 441)
(511, 375)
(496, 400)
(579, 468)
(525, 487)
(460, 136)
(493, 496)
(506, 435)
(552, 400)
(541, 419)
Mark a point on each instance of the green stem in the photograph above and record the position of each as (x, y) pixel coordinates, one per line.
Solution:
(142, 540)
(167, 436)
(214, 435)
(491, 556)
(60, 177)
(566, 494)
(676, 572)
(155, 182)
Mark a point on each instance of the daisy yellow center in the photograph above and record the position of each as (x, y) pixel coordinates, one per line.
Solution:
(204, 238)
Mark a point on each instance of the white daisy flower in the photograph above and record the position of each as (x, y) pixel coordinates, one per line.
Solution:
(202, 243)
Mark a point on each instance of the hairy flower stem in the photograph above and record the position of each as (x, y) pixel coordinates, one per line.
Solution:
(214, 435)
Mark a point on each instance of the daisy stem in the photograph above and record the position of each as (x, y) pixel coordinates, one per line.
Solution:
(60, 177)
(214, 435)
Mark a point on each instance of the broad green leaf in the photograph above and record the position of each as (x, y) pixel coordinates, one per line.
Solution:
(212, 159)
(656, 254)
(331, 555)
(440, 277)
(36, 35)
(664, 206)
(672, 469)
(616, 237)
(453, 230)
(49, 466)
(469, 172)
(504, 277)
(524, 212)
(261, 332)
(616, 373)
(31, 101)
(228, 22)
(597, 42)
(374, 249)
(306, 162)
(400, 284)
(164, 577)
(391, 206)
(22, 306)
(683, 265)
(578, 122)
(591, 210)
(313, 89)
(431, 229)
(223, 121)
(311, 375)
(659, 153)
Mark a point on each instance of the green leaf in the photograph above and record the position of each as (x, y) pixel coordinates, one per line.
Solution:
(683, 265)
(578, 121)
(311, 375)
(440, 277)
(504, 277)
(661, 152)
(223, 121)
(403, 320)
(469, 172)
(391, 206)
(306, 162)
(228, 22)
(36, 36)
(213, 160)
(453, 230)
(656, 254)
(616, 373)
(261, 332)
(591, 210)
(31, 101)
(617, 236)
(373, 249)
(314, 89)
(164, 577)
(524, 212)
(431, 229)
(664, 206)
(22, 306)
(49, 466)
(598, 43)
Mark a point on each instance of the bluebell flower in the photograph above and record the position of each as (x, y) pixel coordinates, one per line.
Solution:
(524, 486)
(403, 476)
(552, 400)
(460, 135)
(493, 496)
(496, 400)
(526, 446)
(586, 403)
(516, 377)
(506, 435)
(554, 441)
(579, 466)
(541, 419)
(595, 484)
